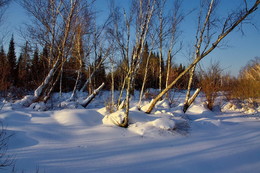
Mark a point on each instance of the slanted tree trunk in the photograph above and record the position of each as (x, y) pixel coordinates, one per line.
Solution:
(62, 41)
(144, 80)
(79, 57)
(86, 102)
(121, 93)
(112, 85)
(186, 103)
(41, 89)
(88, 81)
(228, 27)
(143, 19)
(191, 100)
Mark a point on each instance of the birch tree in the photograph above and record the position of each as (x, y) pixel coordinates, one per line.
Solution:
(230, 23)
(119, 31)
(97, 52)
(162, 33)
(174, 32)
(202, 35)
(144, 12)
(52, 26)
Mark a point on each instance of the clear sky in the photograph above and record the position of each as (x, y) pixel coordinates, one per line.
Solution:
(241, 48)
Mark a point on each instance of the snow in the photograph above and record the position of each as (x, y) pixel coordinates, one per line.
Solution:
(74, 139)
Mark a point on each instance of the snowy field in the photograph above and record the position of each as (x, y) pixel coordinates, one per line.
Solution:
(83, 140)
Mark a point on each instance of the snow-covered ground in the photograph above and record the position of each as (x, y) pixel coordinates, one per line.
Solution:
(84, 140)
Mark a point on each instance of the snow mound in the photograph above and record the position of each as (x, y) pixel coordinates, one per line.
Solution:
(208, 122)
(141, 123)
(70, 105)
(152, 128)
(163, 104)
(114, 118)
(67, 118)
(80, 117)
(197, 109)
(164, 123)
(246, 107)
(15, 117)
(26, 101)
(40, 106)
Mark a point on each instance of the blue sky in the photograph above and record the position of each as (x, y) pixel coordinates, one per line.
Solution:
(241, 48)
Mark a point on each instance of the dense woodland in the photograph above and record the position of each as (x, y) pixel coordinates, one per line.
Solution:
(28, 72)
(68, 48)
(67, 51)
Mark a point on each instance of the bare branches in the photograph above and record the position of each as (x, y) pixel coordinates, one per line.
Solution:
(200, 55)
(3, 5)
(4, 2)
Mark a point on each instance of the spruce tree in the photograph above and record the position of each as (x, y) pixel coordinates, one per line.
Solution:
(11, 57)
(4, 70)
(23, 67)
(100, 74)
(35, 68)
(43, 63)
(2, 57)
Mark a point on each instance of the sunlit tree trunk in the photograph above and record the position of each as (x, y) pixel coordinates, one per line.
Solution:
(229, 26)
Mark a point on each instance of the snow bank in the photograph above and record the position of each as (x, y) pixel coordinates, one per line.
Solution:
(79, 117)
(114, 118)
(142, 123)
(26, 101)
(164, 123)
(76, 140)
(207, 122)
(39, 106)
(240, 106)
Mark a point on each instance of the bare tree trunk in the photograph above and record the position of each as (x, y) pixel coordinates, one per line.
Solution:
(86, 102)
(144, 80)
(127, 104)
(73, 94)
(186, 105)
(88, 81)
(144, 20)
(61, 78)
(39, 91)
(191, 100)
(169, 62)
(113, 86)
(121, 93)
(225, 31)
(58, 32)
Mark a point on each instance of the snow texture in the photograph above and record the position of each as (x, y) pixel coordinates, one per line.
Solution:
(86, 140)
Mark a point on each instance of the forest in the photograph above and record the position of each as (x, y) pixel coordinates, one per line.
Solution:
(133, 49)
(128, 56)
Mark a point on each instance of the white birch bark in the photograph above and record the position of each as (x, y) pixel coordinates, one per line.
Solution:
(86, 102)
(225, 31)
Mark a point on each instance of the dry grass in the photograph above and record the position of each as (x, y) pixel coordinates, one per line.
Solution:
(247, 85)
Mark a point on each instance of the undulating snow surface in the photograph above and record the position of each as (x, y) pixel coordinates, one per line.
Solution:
(85, 140)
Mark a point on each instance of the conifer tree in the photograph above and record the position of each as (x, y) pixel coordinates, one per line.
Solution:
(35, 68)
(11, 57)
(44, 67)
(100, 75)
(23, 67)
(4, 70)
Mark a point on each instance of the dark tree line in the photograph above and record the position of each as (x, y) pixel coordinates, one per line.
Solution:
(132, 49)
(32, 66)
